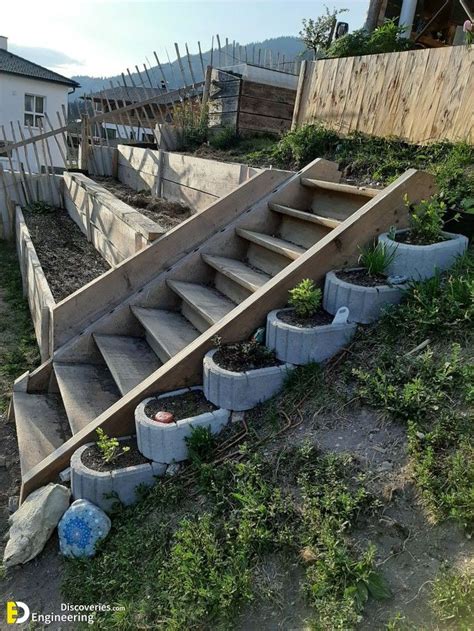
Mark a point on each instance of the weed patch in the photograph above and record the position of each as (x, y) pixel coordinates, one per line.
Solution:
(18, 350)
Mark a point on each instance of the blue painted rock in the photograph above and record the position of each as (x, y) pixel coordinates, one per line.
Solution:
(82, 526)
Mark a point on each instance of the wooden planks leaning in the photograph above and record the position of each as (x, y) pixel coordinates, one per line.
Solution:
(419, 95)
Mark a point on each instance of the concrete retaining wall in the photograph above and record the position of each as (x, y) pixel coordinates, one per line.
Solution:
(35, 286)
(116, 230)
(195, 182)
(46, 188)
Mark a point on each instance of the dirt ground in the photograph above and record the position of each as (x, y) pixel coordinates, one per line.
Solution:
(38, 582)
(68, 260)
(411, 550)
(166, 214)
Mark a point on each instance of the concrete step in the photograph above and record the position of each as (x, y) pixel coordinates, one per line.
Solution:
(87, 390)
(237, 271)
(337, 187)
(129, 359)
(279, 246)
(327, 222)
(167, 332)
(41, 427)
(202, 306)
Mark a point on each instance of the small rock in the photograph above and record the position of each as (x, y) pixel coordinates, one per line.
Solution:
(82, 526)
(65, 475)
(237, 417)
(33, 523)
(164, 417)
(386, 465)
(173, 469)
(419, 435)
(3, 462)
(13, 503)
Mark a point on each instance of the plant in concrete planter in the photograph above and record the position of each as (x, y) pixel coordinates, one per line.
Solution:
(365, 290)
(238, 376)
(305, 332)
(166, 442)
(111, 469)
(424, 247)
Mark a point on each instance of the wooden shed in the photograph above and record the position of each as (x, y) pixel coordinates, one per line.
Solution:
(250, 99)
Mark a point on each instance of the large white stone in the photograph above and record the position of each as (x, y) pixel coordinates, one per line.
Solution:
(33, 523)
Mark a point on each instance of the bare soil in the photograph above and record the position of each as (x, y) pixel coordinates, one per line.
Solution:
(92, 457)
(362, 277)
(166, 214)
(243, 356)
(319, 318)
(408, 238)
(68, 260)
(182, 406)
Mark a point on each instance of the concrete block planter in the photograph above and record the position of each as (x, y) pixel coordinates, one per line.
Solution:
(302, 345)
(166, 442)
(417, 262)
(95, 486)
(241, 390)
(365, 304)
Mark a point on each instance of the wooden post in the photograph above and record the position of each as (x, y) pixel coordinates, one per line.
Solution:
(84, 142)
(299, 92)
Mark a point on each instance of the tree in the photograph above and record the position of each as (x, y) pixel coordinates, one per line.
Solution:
(317, 34)
(372, 17)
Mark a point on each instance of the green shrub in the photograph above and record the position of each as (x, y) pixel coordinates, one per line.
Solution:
(375, 258)
(305, 298)
(109, 448)
(301, 146)
(200, 445)
(426, 221)
(224, 139)
(386, 38)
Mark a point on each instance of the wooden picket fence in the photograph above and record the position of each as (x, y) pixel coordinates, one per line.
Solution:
(418, 95)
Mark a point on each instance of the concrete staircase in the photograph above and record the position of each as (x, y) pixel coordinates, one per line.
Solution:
(154, 339)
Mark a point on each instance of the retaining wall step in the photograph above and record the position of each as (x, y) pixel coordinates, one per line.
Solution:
(337, 187)
(41, 427)
(129, 359)
(87, 390)
(280, 246)
(167, 332)
(327, 222)
(237, 271)
(211, 305)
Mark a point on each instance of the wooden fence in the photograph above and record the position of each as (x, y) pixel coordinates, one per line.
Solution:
(248, 107)
(420, 95)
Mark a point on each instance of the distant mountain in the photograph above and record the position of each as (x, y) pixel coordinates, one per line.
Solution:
(278, 49)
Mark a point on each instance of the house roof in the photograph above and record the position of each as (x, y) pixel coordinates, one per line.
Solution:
(14, 64)
(126, 93)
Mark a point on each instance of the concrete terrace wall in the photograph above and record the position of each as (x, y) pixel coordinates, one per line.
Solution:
(35, 286)
(12, 192)
(193, 181)
(114, 228)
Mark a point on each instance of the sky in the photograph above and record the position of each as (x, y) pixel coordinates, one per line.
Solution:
(104, 37)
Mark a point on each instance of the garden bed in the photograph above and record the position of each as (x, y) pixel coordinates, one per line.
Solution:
(166, 214)
(68, 260)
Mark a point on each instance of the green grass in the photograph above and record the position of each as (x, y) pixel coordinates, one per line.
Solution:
(18, 348)
(452, 599)
(369, 158)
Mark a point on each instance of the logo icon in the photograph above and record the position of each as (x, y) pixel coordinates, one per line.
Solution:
(17, 612)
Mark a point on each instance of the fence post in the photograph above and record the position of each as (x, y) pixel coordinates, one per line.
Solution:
(299, 93)
(84, 142)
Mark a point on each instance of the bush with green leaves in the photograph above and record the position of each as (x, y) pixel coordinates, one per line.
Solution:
(305, 298)
(386, 38)
(109, 447)
(426, 221)
(375, 258)
(299, 147)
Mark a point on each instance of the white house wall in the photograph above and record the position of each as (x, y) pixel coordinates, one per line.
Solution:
(12, 108)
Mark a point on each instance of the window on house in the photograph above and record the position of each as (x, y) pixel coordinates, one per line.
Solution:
(111, 134)
(34, 110)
